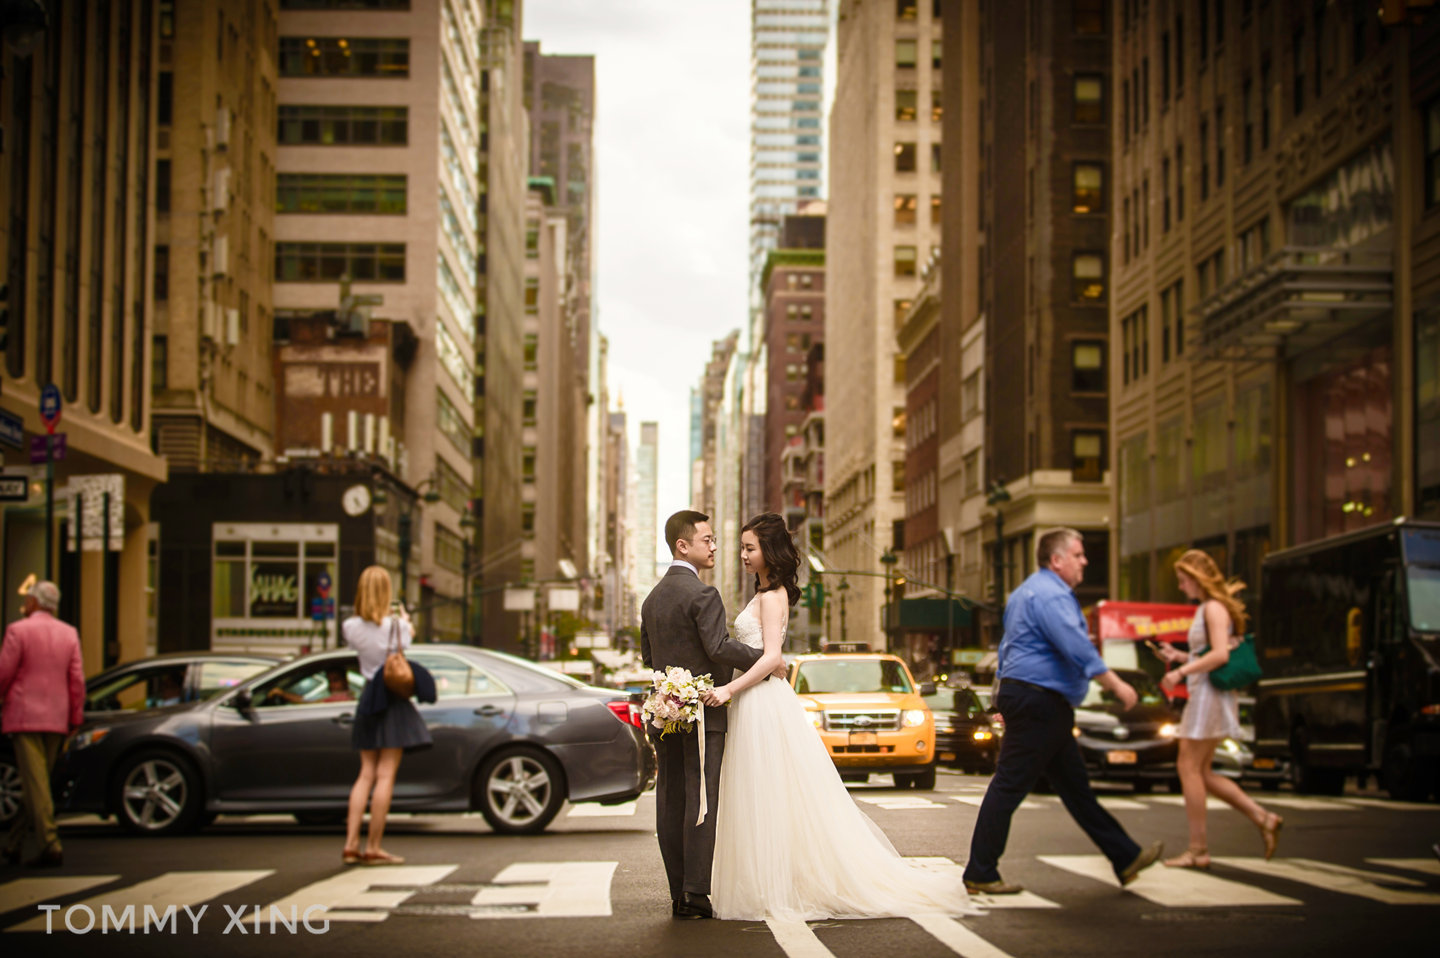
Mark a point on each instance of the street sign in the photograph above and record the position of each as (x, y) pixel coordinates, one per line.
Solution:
(50, 407)
(37, 448)
(12, 430)
(14, 488)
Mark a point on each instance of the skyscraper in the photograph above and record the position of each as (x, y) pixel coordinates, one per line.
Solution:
(379, 179)
(647, 536)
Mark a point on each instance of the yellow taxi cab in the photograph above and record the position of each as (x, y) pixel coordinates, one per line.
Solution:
(870, 714)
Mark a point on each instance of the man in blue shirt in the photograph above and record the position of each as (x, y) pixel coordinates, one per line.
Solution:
(1046, 664)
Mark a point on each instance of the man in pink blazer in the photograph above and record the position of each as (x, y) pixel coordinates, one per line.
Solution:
(42, 686)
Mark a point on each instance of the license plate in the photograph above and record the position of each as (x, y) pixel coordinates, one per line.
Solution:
(1120, 758)
(947, 756)
(862, 738)
(1267, 763)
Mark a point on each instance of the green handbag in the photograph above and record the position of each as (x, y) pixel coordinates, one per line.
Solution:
(1240, 670)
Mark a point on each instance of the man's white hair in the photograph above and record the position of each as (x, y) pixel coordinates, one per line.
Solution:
(46, 595)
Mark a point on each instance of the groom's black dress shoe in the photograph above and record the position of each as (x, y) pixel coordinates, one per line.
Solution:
(692, 906)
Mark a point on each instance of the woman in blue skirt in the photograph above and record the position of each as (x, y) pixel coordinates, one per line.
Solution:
(381, 738)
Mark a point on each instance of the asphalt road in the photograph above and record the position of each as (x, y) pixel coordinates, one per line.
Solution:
(1354, 876)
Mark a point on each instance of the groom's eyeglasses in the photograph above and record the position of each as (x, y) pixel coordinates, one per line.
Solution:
(707, 541)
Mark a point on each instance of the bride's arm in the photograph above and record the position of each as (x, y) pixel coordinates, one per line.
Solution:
(773, 606)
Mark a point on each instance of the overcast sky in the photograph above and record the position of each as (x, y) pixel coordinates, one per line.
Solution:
(672, 168)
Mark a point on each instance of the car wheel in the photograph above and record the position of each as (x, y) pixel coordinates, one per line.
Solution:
(520, 791)
(10, 790)
(1307, 779)
(925, 781)
(158, 793)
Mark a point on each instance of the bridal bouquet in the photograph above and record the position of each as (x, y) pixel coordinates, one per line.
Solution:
(674, 701)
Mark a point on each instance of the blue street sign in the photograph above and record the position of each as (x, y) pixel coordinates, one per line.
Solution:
(37, 448)
(12, 430)
(50, 407)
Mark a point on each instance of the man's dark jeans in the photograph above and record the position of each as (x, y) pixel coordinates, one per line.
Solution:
(1039, 740)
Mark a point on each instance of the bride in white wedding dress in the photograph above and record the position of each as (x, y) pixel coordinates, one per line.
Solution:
(790, 842)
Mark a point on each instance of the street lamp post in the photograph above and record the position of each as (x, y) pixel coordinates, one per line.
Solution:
(888, 560)
(996, 497)
(842, 588)
(404, 523)
(467, 527)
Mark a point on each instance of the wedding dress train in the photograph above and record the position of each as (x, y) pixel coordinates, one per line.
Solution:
(791, 843)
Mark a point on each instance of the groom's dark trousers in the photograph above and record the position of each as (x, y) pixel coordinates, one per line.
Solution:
(1039, 740)
(687, 849)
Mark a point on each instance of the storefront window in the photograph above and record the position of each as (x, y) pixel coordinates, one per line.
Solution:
(266, 580)
(1427, 413)
(1353, 204)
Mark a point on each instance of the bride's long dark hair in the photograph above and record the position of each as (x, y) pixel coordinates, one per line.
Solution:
(778, 551)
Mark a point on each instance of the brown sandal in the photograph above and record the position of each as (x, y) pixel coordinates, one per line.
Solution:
(352, 858)
(1197, 858)
(381, 858)
(1270, 833)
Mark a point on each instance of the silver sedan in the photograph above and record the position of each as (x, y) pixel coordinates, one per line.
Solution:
(511, 740)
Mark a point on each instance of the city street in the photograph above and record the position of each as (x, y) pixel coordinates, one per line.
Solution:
(1354, 875)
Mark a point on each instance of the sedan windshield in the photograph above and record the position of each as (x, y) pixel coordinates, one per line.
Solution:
(1424, 589)
(852, 675)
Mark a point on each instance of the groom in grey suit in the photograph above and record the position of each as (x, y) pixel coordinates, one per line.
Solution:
(682, 622)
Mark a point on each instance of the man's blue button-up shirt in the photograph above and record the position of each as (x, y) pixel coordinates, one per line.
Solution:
(1047, 642)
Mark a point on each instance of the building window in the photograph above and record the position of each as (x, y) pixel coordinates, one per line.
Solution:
(162, 272)
(162, 186)
(1090, 17)
(532, 295)
(935, 210)
(1219, 146)
(1204, 159)
(327, 262)
(905, 54)
(165, 98)
(532, 351)
(527, 510)
(340, 193)
(528, 405)
(1165, 194)
(1089, 99)
(1087, 455)
(159, 361)
(1179, 183)
(905, 9)
(1265, 103)
(1088, 271)
(344, 56)
(905, 204)
(1432, 153)
(532, 243)
(934, 157)
(1297, 69)
(971, 463)
(902, 307)
(1089, 188)
(1087, 366)
(970, 397)
(527, 464)
(904, 261)
(937, 106)
(450, 423)
(1164, 71)
(343, 126)
(904, 157)
(906, 105)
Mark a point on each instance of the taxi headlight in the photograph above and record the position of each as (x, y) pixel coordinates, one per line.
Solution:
(982, 735)
(817, 718)
(1075, 730)
(1167, 730)
(914, 717)
(89, 737)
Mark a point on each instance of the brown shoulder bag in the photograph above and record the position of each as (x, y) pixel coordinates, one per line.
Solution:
(399, 678)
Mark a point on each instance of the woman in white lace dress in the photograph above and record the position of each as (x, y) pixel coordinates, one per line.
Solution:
(791, 844)
(1211, 715)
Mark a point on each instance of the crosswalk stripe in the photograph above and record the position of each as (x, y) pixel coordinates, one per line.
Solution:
(952, 870)
(24, 892)
(957, 937)
(170, 890)
(1172, 887)
(797, 940)
(1426, 866)
(352, 896)
(549, 890)
(1211, 802)
(976, 800)
(1122, 804)
(1392, 805)
(1376, 886)
(596, 810)
(1309, 804)
(900, 801)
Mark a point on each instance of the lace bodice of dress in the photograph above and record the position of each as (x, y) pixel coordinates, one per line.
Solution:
(747, 626)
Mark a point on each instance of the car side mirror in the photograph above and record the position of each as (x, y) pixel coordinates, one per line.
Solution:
(927, 688)
(242, 700)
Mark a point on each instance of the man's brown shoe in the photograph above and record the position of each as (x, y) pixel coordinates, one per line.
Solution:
(1142, 861)
(997, 887)
(49, 858)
